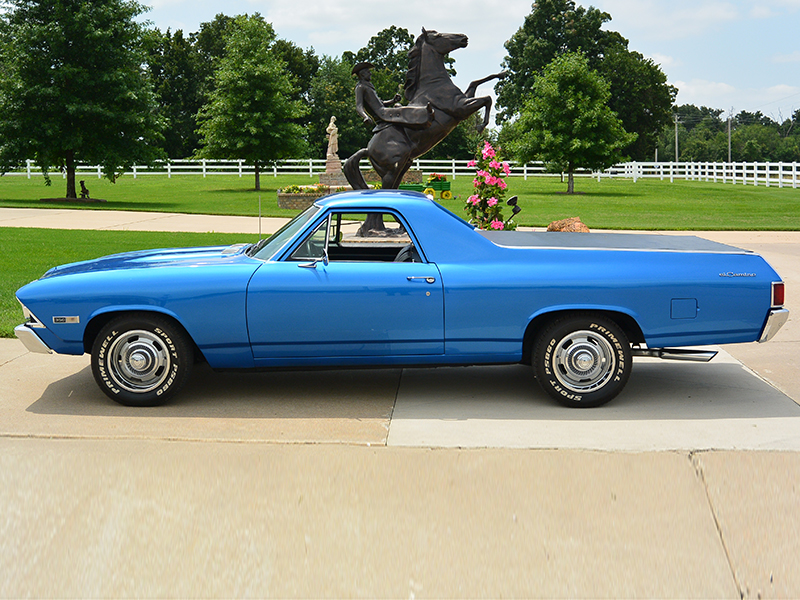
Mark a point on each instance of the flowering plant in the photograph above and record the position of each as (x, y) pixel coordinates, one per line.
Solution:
(485, 204)
(319, 188)
(436, 177)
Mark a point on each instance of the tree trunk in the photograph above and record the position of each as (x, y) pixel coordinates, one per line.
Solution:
(570, 182)
(258, 176)
(70, 166)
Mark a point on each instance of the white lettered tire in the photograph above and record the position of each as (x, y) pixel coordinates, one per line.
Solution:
(582, 360)
(141, 359)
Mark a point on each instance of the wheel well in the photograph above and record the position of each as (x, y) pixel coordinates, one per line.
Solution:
(96, 324)
(627, 323)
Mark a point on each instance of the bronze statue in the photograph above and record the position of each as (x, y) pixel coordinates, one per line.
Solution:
(386, 112)
(436, 106)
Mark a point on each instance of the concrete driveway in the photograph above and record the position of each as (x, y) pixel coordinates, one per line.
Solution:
(414, 483)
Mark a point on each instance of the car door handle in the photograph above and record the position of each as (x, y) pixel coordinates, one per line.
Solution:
(426, 279)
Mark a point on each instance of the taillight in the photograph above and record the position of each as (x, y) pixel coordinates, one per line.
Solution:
(777, 293)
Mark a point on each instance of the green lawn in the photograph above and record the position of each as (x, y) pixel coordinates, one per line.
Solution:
(25, 254)
(609, 204)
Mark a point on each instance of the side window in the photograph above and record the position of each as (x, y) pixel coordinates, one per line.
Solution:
(313, 247)
(368, 237)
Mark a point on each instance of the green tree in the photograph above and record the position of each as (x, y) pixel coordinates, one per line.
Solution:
(640, 95)
(331, 95)
(567, 121)
(174, 66)
(251, 113)
(73, 88)
(552, 28)
(209, 42)
(302, 64)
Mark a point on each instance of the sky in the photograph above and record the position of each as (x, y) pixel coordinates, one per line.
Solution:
(730, 55)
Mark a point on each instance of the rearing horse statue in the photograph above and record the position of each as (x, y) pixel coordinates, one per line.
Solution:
(394, 147)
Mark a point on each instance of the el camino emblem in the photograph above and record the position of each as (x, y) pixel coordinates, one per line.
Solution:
(60, 320)
(732, 274)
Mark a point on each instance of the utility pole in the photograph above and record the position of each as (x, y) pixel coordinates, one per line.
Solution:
(676, 138)
(729, 134)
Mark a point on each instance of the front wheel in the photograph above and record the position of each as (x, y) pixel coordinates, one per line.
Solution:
(582, 360)
(141, 360)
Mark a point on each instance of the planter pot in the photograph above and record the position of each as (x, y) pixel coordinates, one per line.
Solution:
(297, 201)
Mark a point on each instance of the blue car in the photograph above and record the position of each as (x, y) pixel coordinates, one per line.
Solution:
(391, 278)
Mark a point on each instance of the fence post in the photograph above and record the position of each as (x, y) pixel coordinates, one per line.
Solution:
(311, 167)
(240, 168)
(204, 167)
(454, 168)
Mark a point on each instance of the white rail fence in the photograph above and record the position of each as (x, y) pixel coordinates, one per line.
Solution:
(748, 173)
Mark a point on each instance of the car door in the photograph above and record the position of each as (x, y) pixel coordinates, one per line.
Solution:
(328, 300)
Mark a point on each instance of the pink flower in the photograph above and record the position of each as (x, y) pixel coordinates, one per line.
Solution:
(497, 224)
(485, 174)
(488, 151)
(492, 202)
(502, 184)
(506, 168)
(472, 163)
(495, 165)
(473, 200)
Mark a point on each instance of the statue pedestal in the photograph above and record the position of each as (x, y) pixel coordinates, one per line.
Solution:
(410, 176)
(333, 175)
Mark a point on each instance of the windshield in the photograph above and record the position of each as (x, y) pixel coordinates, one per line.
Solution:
(269, 247)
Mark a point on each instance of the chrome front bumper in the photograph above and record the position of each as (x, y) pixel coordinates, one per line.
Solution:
(32, 341)
(776, 319)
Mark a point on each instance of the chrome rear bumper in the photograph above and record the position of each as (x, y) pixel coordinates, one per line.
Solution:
(32, 341)
(776, 319)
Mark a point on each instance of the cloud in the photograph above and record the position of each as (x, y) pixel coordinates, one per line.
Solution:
(773, 101)
(761, 12)
(674, 20)
(794, 57)
(664, 61)
(703, 92)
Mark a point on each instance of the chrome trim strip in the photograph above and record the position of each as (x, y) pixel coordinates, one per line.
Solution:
(32, 321)
(31, 341)
(777, 318)
(607, 249)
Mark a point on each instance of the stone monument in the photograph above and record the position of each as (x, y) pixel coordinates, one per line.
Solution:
(333, 175)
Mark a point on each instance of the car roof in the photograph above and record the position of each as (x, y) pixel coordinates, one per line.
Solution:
(362, 199)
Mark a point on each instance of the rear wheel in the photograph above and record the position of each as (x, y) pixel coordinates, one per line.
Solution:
(582, 360)
(141, 360)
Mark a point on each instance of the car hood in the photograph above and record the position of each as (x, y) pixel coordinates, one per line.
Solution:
(166, 257)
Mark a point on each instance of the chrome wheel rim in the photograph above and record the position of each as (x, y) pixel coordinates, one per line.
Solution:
(139, 361)
(584, 361)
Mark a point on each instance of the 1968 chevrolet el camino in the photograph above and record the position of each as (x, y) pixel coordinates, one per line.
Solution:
(421, 288)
